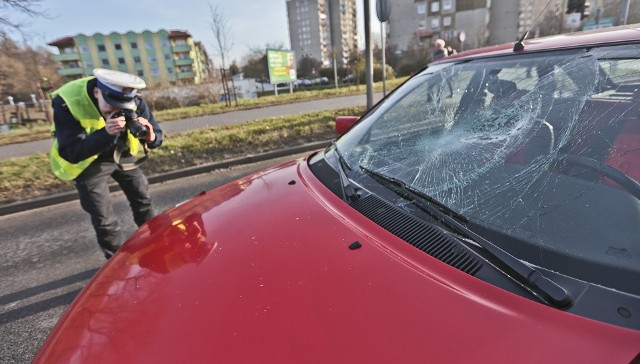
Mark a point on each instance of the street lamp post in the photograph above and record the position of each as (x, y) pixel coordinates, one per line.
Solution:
(383, 11)
(369, 54)
(384, 61)
(625, 11)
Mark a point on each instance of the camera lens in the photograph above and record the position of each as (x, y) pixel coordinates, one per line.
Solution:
(137, 130)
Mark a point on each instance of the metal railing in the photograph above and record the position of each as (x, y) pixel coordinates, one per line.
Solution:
(22, 113)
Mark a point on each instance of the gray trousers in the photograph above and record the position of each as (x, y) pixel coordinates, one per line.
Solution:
(93, 188)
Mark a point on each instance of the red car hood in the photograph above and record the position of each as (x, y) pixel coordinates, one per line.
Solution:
(260, 270)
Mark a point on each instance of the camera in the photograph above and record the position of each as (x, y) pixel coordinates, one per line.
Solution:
(131, 118)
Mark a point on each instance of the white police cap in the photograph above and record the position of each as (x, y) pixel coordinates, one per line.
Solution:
(119, 89)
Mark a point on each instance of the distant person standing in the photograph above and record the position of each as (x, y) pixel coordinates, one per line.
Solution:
(101, 126)
(440, 51)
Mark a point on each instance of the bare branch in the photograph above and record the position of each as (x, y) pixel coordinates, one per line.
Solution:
(221, 31)
(25, 7)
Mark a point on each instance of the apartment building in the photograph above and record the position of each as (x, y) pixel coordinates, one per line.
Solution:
(532, 11)
(415, 23)
(482, 22)
(320, 28)
(161, 58)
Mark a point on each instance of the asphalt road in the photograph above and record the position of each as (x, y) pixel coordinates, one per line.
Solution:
(49, 254)
(230, 118)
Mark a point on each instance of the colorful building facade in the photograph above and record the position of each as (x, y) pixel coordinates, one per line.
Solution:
(162, 58)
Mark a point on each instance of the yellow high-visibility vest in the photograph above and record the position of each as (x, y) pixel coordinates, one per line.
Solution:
(82, 108)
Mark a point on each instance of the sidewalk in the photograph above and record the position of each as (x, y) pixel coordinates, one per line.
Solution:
(20, 206)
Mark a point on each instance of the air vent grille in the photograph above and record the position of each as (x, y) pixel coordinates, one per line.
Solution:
(426, 237)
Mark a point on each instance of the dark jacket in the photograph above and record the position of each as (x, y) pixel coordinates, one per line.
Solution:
(439, 53)
(74, 145)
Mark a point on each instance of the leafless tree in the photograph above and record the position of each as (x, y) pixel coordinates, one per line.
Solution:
(255, 62)
(22, 69)
(26, 7)
(222, 32)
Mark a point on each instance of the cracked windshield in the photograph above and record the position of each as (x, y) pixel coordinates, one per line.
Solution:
(534, 149)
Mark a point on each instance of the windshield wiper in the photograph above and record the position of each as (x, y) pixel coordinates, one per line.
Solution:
(551, 291)
(348, 191)
(413, 192)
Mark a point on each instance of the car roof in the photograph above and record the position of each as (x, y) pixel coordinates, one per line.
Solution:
(620, 34)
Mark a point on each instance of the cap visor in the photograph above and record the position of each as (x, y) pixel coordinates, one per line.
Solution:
(118, 102)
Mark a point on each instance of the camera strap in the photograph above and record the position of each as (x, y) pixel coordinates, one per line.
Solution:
(120, 148)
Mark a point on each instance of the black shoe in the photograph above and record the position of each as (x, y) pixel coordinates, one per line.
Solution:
(108, 253)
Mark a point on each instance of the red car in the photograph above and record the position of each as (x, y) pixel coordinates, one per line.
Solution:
(488, 210)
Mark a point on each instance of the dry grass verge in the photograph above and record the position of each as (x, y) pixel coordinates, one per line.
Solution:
(29, 177)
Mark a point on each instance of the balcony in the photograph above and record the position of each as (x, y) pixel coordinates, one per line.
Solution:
(183, 62)
(78, 71)
(181, 48)
(66, 57)
(186, 75)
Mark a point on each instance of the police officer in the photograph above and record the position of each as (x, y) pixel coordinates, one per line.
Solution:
(93, 141)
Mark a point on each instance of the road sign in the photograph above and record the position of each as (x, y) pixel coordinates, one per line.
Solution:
(282, 66)
(383, 10)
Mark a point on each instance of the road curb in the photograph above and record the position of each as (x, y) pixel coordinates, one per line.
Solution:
(57, 198)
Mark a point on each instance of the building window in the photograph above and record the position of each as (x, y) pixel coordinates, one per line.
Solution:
(88, 63)
(148, 44)
(101, 48)
(435, 6)
(155, 72)
(117, 46)
(140, 73)
(422, 8)
(105, 62)
(165, 44)
(447, 5)
(152, 59)
(134, 45)
(435, 23)
(169, 70)
(84, 49)
(136, 59)
(446, 21)
(167, 57)
(121, 60)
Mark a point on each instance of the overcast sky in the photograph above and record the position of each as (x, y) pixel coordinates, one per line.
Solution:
(254, 23)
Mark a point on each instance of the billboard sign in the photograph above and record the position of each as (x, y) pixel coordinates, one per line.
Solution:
(282, 66)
